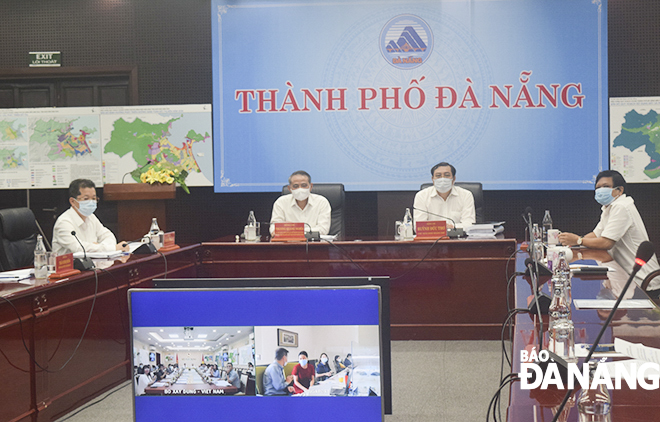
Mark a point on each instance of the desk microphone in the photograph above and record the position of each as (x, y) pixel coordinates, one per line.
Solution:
(84, 264)
(310, 235)
(452, 233)
(644, 253)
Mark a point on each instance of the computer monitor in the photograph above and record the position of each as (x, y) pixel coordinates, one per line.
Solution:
(382, 281)
(194, 329)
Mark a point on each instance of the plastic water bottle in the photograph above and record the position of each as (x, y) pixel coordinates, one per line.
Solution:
(156, 234)
(594, 405)
(250, 230)
(40, 260)
(538, 243)
(408, 225)
(563, 270)
(547, 225)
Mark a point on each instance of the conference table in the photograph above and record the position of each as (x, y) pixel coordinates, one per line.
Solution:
(634, 325)
(188, 382)
(450, 289)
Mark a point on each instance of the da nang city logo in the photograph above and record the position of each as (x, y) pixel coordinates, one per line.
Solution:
(406, 41)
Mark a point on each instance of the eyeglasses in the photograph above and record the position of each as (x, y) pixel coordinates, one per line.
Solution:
(88, 199)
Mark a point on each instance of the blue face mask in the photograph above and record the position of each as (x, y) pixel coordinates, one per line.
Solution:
(87, 208)
(324, 360)
(303, 362)
(604, 196)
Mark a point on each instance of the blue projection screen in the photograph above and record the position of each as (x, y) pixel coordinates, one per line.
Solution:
(372, 94)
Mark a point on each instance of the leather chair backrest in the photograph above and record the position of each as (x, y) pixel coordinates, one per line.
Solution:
(18, 238)
(334, 193)
(477, 191)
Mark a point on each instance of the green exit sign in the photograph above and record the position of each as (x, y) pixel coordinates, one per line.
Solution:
(45, 59)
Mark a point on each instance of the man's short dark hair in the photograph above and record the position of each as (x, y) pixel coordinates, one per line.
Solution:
(303, 353)
(444, 164)
(76, 185)
(617, 178)
(301, 173)
(280, 353)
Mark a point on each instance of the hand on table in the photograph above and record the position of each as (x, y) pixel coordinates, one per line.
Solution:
(568, 239)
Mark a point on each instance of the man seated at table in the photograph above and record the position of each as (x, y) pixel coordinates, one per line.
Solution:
(443, 199)
(302, 206)
(275, 382)
(231, 376)
(620, 229)
(303, 374)
(80, 218)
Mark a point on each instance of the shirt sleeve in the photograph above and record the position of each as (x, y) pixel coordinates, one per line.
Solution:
(618, 224)
(468, 213)
(419, 206)
(106, 241)
(277, 216)
(62, 236)
(324, 218)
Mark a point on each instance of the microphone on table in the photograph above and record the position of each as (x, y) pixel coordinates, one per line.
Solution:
(84, 264)
(541, 300)
(310, 235)
(644, 254)
(451, 233)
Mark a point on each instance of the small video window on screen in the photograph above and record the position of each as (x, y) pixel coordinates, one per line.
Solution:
(317, 360)
(170, 361)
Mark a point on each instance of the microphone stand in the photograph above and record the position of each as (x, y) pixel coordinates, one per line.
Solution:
(84, 264)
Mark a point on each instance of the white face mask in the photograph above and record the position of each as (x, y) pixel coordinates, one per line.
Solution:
(442, 184)
(300, 194)
(87, 208)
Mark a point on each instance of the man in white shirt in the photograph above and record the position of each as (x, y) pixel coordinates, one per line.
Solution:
(80, 219)
(302, 206)
(620, 229)
(443, 199)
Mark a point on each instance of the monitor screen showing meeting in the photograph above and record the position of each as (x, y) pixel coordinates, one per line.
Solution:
(229, 354)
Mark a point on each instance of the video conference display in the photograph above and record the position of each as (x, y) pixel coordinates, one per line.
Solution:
(207, 358)
(372, 94)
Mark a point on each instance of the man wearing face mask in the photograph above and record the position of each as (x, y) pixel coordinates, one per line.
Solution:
(276, 383)
(81, 219)
(302, 206)
(445, 199)
(620, 229)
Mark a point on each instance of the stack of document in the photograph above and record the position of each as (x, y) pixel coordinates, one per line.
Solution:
(15, 276)
(485, 230)
(100, 255)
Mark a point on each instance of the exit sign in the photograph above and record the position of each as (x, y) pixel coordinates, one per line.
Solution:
(45, 59)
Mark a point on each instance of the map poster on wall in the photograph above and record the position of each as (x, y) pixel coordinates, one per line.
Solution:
(635, 138)
(48, 147)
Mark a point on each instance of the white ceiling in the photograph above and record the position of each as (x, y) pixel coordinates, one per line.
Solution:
(209, 339)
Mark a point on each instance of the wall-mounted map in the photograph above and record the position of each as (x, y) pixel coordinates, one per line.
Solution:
(635, 138)
(49, 147)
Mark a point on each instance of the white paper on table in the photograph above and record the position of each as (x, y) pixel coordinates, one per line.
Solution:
(222, 383)
(609, 304)
(99, 255)
(16, 275)
(637, 350)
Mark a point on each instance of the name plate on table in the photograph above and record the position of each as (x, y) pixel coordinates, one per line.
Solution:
(289, 232)
(430, 230)
(63, 267)
(169, 243)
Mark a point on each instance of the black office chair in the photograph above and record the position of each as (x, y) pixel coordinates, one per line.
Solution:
(334, 193)
(647, 281)
(477, 191)
(18, 238)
